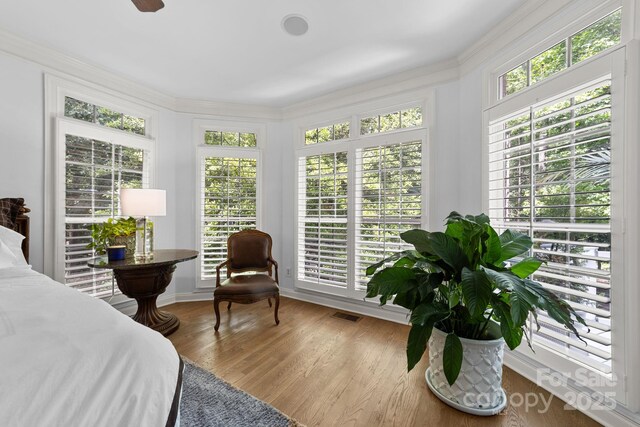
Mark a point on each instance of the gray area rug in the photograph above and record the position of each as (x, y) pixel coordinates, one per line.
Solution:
(208, 401)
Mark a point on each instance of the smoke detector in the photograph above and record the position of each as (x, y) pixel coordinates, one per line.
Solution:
(295, 25)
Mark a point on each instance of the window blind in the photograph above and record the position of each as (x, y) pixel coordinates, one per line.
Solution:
(388, 201)
(228, 205)
(322, 219)
(550, 177)
(95, 171)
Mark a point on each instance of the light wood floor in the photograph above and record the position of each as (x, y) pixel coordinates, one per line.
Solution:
(325, 371)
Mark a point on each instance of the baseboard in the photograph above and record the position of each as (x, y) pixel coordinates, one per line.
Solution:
(366, 308)
(527, 367)
(195, 296)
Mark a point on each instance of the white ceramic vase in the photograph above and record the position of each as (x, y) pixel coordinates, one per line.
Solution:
(478, 389)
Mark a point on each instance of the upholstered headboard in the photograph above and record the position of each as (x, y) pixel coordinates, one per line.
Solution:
(13, 214)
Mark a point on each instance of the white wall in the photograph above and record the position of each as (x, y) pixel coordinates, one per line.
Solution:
(22, 143)
(470, 143)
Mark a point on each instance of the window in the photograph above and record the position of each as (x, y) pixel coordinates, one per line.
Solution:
(388, 201)
(97, 152)
(232, 139)
(333, 132)
(550, 177)
(354, 199)
(95, 171)
(408, 118)
(322, 219)
(104, 116)
(582, 45)
(228, 194)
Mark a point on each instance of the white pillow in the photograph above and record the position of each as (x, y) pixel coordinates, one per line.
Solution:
(13, 241)
(7, 258)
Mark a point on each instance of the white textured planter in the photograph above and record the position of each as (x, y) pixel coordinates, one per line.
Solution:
(478, 389)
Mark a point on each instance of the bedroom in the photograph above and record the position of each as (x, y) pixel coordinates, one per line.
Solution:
(189, 85)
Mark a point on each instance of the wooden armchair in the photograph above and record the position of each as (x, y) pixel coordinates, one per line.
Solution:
(247, 251)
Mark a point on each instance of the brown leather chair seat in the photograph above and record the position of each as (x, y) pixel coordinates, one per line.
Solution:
(247, 284)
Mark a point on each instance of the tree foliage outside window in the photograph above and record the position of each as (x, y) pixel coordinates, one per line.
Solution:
(585, 44)
(231, 139)
(410, 117)
(323, 256)
(333, 132)
(228, 192)
(550, 172)
(104, 116)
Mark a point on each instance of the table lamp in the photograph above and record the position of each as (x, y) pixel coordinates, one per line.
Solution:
(141, 203)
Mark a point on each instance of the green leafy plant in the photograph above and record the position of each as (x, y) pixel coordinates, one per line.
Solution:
(103, 234)
(463, 280)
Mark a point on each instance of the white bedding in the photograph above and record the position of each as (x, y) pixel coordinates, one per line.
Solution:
(67, 359)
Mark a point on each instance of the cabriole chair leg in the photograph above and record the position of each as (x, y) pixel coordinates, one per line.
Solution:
(277, 297)
(216, 308)
(229, 306)
(269, 299)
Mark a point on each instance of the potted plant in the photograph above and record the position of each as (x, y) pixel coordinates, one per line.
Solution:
(116, 237)
(468, 293)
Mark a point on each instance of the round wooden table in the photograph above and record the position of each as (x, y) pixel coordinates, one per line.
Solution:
(144, 280)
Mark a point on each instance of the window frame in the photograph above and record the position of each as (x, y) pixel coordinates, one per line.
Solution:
(587, 16)
(68, 126)
(351, 145)
(55, 126)
(610, 62)
(204, 150)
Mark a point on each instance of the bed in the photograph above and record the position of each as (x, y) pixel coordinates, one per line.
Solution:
(73, 360)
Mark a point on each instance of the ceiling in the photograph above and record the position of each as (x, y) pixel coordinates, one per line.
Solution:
(236, 51)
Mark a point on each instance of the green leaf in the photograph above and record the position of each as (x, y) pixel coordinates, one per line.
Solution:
(408, 299)
(513, 244)
(519, 309)
(448, 249)
(476, 290)
(452, 358)
(454, 299)
(390, 281)
(408, 254)
(417, 343)
(404, 262)
(526, 267)
(418, 238)
(511, 333)
(427, 313)
(494, 246)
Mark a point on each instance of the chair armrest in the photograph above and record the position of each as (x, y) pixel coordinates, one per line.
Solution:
(275, 264)
(218, 272)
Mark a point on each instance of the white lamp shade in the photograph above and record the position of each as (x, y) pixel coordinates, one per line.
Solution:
(143, 202)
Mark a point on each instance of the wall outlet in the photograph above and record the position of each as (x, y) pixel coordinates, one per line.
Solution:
(287, 271)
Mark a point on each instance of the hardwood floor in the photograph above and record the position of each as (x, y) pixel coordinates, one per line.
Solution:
(325, 371)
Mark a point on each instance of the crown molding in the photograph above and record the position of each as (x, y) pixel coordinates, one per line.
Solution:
(519, 23)
(216, 108)
(411, 80)
(53, 60)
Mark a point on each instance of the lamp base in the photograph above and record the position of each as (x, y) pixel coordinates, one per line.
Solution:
(144, 240)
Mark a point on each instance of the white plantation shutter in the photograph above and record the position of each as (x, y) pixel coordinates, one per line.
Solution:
(550, 177)
(388, 201)
(228, 204)
(322, 219)
(95, 171)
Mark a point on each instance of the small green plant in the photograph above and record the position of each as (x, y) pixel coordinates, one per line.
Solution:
(103, 234)
(460, 281)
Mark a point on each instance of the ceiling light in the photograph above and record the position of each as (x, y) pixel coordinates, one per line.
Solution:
(296, 25)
